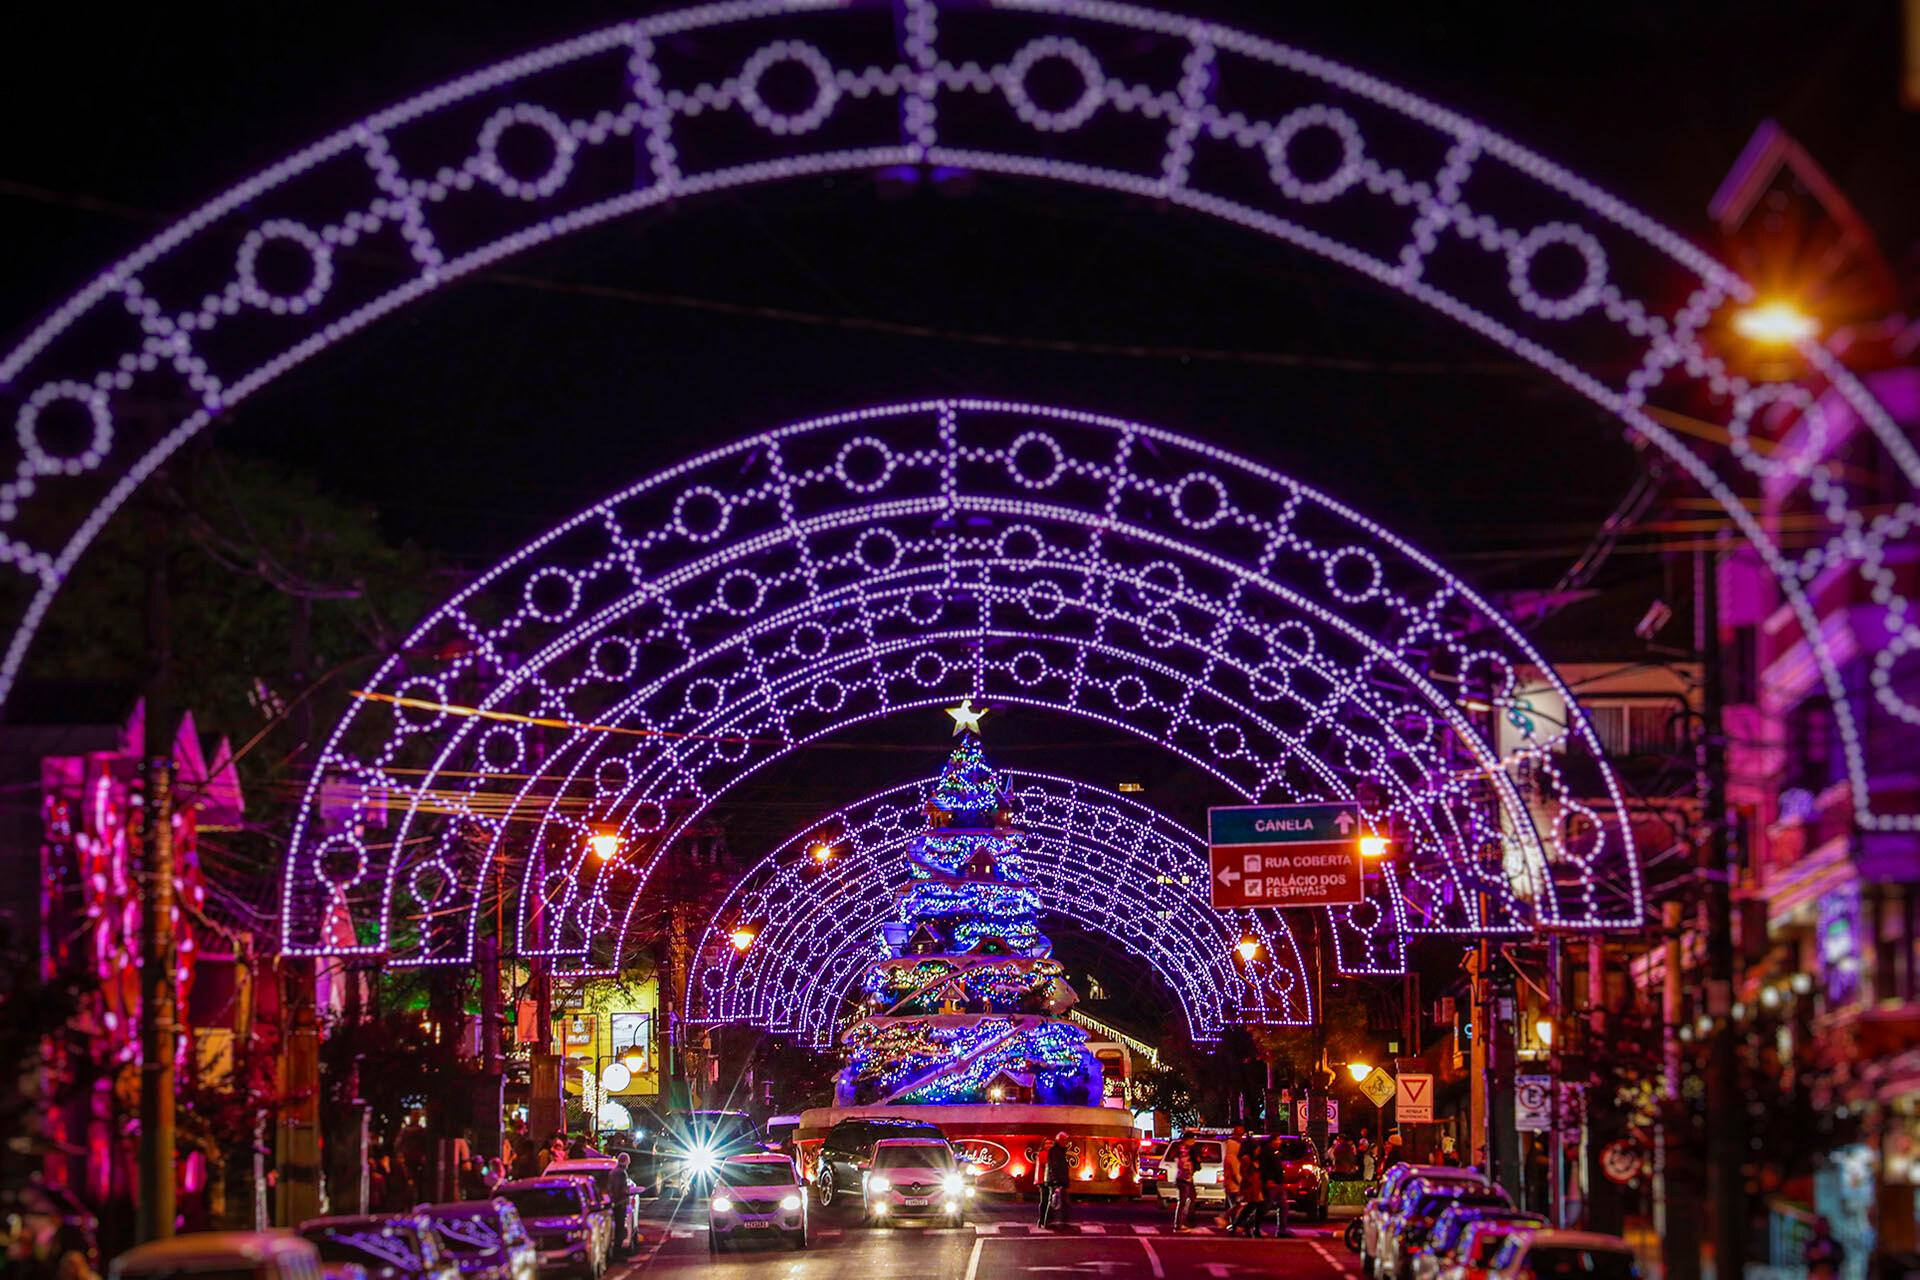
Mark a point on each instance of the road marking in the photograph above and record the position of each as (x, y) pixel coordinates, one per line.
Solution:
(986, 1228)
(1153, 1260)
(973, 1259)
(1327, 1254)
(1146, 1229)
(827, 1233)
(1093, 1229)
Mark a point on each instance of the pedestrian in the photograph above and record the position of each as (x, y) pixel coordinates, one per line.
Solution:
(1230, 1173)
(1273, 1172)
(622, 1188)
(1394, 1152)
(1449, 1154)
(1823, 1255)
(1346, 1160)
(1253, 1192)
(1367, 1159)
(1053, 1186)
(1184, 1159)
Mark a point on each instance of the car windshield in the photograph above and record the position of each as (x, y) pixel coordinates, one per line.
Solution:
(918, 1155)
(757, 1173)
(1295, 1148)
(1599, 1264)
(601, 1176)
(543, 1202)
(713, 1129)
(467, 1234)
(1432, 1205)
(1206, 1152)
(1410, 1190)
(377, 1246)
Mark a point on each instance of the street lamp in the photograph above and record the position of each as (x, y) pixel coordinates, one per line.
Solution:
(1249, 948)
(743, 938)
(1774, 324)
(605, 844)
(1359, 1071)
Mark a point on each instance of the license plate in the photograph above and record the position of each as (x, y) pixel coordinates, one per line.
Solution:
(756, 1226)
(913, 1201)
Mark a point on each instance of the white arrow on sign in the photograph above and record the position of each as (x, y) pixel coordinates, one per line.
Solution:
(1228, 876)
(1344, 822)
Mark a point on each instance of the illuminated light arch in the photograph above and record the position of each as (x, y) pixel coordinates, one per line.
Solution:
(1113, 864)
(1173, 108)
(660, 647)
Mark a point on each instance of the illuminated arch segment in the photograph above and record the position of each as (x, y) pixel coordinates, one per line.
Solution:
(1115, 865)
(702, 624)
(1169, 107)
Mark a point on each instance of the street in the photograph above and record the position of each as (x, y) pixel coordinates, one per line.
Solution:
(1120, 1240)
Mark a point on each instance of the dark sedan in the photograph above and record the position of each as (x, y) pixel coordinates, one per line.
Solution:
(391, 1246)
(486, 1239)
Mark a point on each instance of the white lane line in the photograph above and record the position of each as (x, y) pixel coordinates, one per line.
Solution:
(973, 1259)
(1145, 1229)
(1092, 1229)
(1327, 1255)
(1153, 1259)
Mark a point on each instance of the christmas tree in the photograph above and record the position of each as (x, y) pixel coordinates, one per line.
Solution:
(966, 1008)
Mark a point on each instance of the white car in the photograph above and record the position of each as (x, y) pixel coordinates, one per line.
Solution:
(915, 1178)
(756, 1197)
(1209, 1157)
(1564, 1255)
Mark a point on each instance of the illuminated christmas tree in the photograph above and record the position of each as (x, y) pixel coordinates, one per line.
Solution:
(967, 1007)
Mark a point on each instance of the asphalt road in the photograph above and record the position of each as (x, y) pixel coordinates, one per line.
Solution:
(1113, 1241)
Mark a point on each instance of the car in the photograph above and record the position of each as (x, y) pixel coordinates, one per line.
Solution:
(225, 1255)
(1449, 1234)
(1209, 1155)
(1405, 1234)
(915, 1177)
(779, 1131)
(682, 1149)
(1386, 1202)
(604, 1173)
(1309, 1188)
(1481, 1243)
(391, 1246)
(571, 1232)
(1148, 1168)
(757, 1196)
(846, 1152)
(1564, 1255)
(486, 1238)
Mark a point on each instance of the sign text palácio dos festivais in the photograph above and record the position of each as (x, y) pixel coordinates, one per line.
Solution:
(1285, 855)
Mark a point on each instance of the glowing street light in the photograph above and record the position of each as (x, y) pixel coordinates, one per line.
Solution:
(1249, 948)
(1373, 846)
(1775, 324)
(1543, 1028)
(605, 844)
(743, 938)
(1359, 1070)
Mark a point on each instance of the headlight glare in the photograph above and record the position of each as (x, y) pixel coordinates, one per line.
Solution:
(790, 1203)
(953, 1182)
(722, 1205)
(878, 1182)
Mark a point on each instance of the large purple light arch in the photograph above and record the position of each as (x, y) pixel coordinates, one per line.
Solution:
(1202, 117)
(701, 625)
(1108, 861)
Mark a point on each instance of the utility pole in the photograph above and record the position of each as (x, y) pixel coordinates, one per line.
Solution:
(158, 995)
(1726, 1128)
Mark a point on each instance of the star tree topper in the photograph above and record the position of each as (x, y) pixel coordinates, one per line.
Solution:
(965, 718)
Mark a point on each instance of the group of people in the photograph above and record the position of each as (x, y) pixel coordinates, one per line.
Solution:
(1253, 1174)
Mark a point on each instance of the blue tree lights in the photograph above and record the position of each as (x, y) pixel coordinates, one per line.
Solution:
(968, 998)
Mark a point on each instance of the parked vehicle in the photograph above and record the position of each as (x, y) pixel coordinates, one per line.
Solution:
(391, 1246)
(1309, 1186)
(846, 1153)
(1480, 1244)
(757, 1196)
(779, 1131)
(915, 1178)
(1406, 1232)
(1147, 1171)
(486, 1239)
(1449, 1233)
(1209, 1154)
(570, 1230)
(1564, 1255)
(602, 1172)
(1386, 1202)
(228, 1255)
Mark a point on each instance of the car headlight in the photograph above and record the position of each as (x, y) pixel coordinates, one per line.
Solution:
(722, 1205)
(702, 1162)
(790, 1203)
(878, 1182)
(953, 1182)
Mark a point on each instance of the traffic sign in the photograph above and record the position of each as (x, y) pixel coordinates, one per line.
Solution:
(1285, 855)
(1413, 1104)
(1378, 1086)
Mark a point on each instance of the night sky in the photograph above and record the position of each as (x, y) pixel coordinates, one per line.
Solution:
(495, 409)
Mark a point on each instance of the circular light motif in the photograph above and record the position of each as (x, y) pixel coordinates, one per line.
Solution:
(559, 165)
(1345, 173)
(826, 88)
(1520, 267)
(319, 278)
(1093, 84)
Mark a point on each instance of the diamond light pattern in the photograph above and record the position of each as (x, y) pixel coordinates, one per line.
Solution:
(707, 622)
